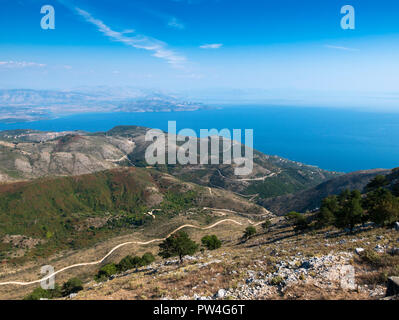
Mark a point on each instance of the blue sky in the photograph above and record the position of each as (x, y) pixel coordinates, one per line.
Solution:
(278, 51)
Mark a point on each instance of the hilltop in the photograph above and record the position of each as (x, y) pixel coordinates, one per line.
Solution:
(310, 199)
(45, 216)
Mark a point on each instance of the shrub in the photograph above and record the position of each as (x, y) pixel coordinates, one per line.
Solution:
(147, 258)
(211, 242)
(128, 262)
(370, 257)
(40, 293)
(298, 220)
(107, 271)
(266, 225)
(73, 285)
(293, 216)
(249, 232)
(276, 281)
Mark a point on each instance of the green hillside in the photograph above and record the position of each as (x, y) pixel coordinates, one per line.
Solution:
(72, 212)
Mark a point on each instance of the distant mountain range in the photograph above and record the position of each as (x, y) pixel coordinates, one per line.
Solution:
(19, 105)
(30, 154)
(277, 184)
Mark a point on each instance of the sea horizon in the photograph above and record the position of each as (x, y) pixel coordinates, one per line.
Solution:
(335, 139)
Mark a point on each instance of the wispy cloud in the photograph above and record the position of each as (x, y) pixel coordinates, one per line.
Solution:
(340, 48)
(174, 23)
(20, 64)
(128, 31)
(211, 46)
(158, 48)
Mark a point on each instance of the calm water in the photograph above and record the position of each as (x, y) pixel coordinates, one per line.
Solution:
(332, 139)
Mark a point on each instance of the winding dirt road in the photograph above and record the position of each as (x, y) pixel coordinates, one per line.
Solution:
(121, 245)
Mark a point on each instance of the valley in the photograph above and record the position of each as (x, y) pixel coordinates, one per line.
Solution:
(82, 201)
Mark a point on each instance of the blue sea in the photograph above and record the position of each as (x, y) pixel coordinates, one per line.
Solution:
(332, 139)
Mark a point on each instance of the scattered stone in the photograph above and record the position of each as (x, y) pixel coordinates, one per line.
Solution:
(221, 293)
(72, 295)
(359, 250)
(189, 258)
(379, 248)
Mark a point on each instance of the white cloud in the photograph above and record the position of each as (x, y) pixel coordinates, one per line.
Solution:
(174, 23)
(211, 46)
(340, 48)
(128, 31)
(20, 64)
(158, 48)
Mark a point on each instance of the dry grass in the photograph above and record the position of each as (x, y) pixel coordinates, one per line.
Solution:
(230, 264)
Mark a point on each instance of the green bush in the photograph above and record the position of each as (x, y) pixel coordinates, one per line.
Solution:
(249, 232)
(147, 258)
(266, 225)
(40, 293)
(128, 262)
(73, 285)
(107, 271)
(276, 281)
(298, 220)
(211, 242)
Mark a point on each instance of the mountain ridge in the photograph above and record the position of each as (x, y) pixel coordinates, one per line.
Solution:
(33, 154)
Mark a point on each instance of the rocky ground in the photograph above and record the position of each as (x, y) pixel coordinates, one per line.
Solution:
(267, 267)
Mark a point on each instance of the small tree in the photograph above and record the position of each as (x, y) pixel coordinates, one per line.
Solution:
(351, 211)
(325, 217)
(266, 225)
(178, 244)
(379, 181)
(293, 216)
(297, 219)
(329, 208)
(249, 232)
(73, 285)
(211, 242)
(382, 206)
